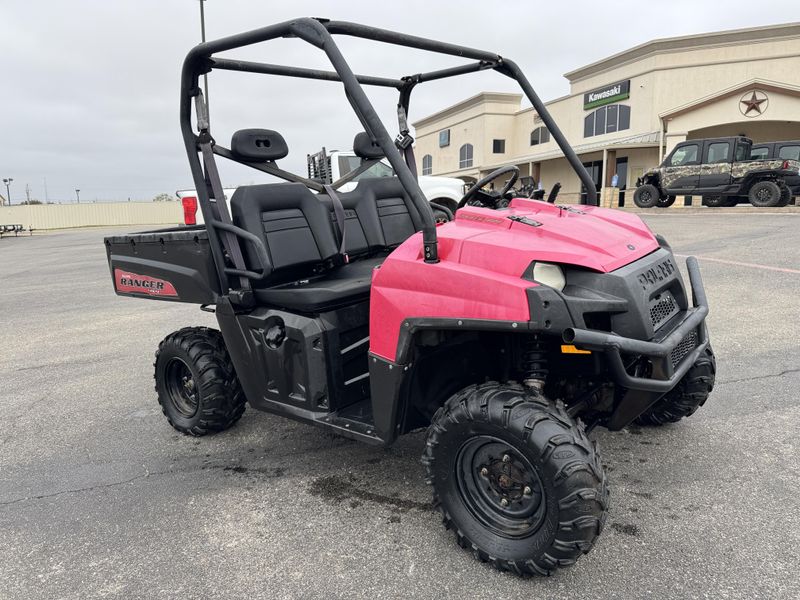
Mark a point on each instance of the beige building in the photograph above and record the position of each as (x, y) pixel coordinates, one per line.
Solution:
(624, 112)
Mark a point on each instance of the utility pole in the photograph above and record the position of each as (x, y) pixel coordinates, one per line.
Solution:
(8, 181)
(203, 39)
(28, 192)
(78, 195)
(46, 197)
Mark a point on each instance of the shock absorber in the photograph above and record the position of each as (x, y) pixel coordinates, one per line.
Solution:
(534, 362)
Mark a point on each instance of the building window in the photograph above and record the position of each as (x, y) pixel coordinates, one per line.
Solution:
(499, 146)
(427, 164)
(465, 156)
(540, 135)
(607, 119)
(444, 138)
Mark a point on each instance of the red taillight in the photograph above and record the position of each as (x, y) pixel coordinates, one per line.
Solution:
(785, 165)
(189, 210)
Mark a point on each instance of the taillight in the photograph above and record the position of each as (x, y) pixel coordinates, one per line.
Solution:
(189, 210)
(785, 165)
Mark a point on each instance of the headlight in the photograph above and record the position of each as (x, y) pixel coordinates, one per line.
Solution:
(550, 275)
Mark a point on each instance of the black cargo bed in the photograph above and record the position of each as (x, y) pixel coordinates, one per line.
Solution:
(172, 264)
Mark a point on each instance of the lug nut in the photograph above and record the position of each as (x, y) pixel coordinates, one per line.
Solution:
(484, 472)
(503, 502)
(527, 491)
(506, 458)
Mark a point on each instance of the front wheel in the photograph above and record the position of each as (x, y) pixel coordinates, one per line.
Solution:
(197, 387)
(646, 196)
(516, 478)
(685, 398)
(765, 194)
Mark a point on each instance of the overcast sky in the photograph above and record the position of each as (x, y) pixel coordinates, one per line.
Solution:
(89, 88)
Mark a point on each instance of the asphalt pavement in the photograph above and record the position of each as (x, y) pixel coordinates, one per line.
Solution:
(99, 497)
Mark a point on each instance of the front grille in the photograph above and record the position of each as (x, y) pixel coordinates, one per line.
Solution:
(662, 310)
(686, 345)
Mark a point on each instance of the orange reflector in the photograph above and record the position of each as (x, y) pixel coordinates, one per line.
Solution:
(570, 349)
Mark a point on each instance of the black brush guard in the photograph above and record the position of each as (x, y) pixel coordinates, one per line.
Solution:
(667, 371)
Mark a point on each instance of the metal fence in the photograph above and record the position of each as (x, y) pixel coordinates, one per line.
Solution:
(63, 216)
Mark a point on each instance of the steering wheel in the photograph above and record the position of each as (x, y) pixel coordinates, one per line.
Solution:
(493, 196)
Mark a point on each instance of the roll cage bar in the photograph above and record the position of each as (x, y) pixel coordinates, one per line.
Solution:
(319, 32)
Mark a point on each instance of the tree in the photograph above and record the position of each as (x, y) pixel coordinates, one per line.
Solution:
(163, 198)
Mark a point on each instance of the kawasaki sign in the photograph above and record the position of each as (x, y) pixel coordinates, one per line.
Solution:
(606, 95)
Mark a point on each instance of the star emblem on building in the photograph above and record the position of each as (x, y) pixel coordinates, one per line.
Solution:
(753, 103)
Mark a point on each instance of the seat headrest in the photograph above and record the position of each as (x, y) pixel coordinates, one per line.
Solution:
(364, 147)
(258, 144)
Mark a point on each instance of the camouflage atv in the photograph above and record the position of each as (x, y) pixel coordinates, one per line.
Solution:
(720, 170)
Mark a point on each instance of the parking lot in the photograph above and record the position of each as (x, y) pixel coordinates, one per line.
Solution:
(99, 497)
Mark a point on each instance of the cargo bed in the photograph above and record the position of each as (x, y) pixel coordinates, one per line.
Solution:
(172, 264)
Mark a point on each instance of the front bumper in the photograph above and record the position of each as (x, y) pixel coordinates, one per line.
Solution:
(669, 356)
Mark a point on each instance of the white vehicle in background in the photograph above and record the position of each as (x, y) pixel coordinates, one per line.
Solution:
(327, 167)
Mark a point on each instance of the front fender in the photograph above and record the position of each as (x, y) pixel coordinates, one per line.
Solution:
(650, 176)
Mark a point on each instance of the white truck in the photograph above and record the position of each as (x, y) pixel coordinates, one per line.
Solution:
(330, 166)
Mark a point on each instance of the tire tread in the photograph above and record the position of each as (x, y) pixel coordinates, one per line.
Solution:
(544, 426)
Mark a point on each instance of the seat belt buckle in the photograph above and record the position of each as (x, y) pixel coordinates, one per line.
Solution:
(403, 140)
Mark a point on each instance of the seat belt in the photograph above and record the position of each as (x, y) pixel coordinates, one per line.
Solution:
(205, 142)
(338, 210)
(404, 141)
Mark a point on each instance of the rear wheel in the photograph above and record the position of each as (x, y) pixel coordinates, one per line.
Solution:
(196, 384)
(765, 194)
(516, 478)
(665, 202)
(685, 398)
(786, 195)
(646, 196)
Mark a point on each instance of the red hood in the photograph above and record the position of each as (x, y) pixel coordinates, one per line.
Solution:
(596, 238)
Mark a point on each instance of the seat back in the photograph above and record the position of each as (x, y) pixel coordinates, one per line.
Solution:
(380, 214)
(385, 200)
(294, 226)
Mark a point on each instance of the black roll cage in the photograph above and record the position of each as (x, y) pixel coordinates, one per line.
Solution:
(319, 32)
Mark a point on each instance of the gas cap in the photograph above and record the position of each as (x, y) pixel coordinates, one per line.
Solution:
(275, 336)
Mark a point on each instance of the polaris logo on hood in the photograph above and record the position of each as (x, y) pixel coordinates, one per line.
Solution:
(656, 274)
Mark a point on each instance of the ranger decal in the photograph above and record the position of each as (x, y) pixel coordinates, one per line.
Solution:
(126, 282)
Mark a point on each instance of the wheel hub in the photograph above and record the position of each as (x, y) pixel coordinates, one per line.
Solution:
(507, 479)
(181, 388)
(500, 486)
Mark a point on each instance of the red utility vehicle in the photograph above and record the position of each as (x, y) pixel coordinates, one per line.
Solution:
(509, 331)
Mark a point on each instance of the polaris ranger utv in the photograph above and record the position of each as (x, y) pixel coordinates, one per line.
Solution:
(508, 331)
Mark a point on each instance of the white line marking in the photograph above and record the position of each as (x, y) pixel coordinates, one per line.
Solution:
(743, 264)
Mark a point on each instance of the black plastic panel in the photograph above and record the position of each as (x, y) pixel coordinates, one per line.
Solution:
(180, 257)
